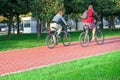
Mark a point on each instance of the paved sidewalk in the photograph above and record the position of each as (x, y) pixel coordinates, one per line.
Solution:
(20, 60)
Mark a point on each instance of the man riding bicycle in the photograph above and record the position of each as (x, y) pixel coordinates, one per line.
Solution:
(89, 21)
(55, 23)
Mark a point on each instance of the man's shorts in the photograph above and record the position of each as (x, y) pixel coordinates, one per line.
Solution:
(90, 25)
(55, 26)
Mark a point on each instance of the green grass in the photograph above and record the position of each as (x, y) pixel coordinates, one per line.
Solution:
(102, 67)
(21, 41)
(30, 40)
(109, 33)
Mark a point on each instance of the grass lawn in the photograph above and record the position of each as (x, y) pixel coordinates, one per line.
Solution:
(30, 40)
(102, 67)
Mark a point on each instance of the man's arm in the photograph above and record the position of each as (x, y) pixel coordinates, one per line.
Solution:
(63, 20)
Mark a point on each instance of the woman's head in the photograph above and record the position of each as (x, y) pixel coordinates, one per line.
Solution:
(90, 7)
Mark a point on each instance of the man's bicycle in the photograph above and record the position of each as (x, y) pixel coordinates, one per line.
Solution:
(52, 39)
(85, 37)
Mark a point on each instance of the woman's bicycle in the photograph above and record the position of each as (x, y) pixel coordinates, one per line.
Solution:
(52, 39)
(85, 38)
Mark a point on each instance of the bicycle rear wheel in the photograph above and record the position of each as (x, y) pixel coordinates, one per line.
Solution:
(51, 41)
(66, 38)
(99, 37)
(84, 39)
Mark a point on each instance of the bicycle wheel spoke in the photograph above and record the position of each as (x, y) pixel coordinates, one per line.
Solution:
(84, 39)
(66, 39)
(51, 41)
(99, 37)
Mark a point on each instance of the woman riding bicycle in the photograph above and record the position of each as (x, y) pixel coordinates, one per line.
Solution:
(89, 21)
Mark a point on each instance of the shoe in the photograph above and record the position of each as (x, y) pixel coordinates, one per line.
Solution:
(56, 43)
(92, 39)
(58, 36)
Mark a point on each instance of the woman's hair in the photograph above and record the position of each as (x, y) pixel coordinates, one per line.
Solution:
(90, 6)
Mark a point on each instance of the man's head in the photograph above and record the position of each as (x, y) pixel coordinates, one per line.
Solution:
(60, 12)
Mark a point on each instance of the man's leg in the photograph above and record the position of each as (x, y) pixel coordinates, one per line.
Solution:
(59, 29)
(52, 28)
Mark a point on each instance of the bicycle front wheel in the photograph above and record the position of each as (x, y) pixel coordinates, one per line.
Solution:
(51, 41)
(84, 39)
(66, 39)
(99, 37)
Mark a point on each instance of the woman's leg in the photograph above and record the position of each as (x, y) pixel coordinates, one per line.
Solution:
(93, 32)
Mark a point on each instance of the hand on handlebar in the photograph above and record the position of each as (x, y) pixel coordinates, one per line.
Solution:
(99, 22)
(67, 25)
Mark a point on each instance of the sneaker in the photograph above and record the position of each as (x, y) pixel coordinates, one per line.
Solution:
(92, 39)
(58, 36)
(56, 43)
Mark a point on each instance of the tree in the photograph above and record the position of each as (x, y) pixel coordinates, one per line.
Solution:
(7, 11)
(20, 7)
(109, 9)
(73, 9)
(104, 8)
(13, 8)
(44, 10)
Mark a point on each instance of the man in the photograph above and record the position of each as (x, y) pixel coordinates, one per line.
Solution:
(55, 23)
(89, 21)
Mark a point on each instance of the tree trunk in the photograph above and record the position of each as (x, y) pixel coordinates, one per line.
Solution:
(101, 19)
(109, 23)
(76, 27)
(112, 22)
(112, 25)
(13, 27)
(18, 27)
(38, 28)
(9, 27)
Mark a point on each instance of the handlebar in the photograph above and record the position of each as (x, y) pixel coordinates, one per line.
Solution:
(65, 27)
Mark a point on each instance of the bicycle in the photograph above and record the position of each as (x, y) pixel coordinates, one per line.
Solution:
(52, 40)
(85, 38)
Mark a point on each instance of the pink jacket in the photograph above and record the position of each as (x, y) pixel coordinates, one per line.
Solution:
(90, 18)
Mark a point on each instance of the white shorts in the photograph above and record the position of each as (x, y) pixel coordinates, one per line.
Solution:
(55, 27)
(90, 25)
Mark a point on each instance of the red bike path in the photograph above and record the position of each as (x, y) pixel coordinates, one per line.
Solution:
(24, 59)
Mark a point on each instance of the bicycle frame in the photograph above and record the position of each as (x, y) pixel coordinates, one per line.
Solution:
(89, 29)
(85, 36)
(65, 36)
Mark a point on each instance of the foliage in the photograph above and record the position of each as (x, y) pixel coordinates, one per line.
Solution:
(13, 8)
(45, 9)
(106, 7)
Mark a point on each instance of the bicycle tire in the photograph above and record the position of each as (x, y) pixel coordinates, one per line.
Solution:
(99, 37)
(66, 39)
(50, 40)
(84, 39)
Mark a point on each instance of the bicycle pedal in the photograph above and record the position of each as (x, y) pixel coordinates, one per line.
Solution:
(56, 43)
(58, 37)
